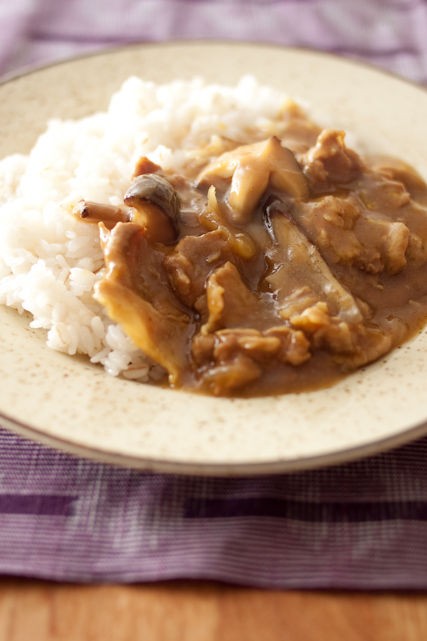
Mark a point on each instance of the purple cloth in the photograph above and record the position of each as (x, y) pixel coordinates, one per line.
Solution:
(361, 525)
(389, 33)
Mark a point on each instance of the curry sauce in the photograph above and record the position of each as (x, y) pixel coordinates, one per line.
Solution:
(267, 265)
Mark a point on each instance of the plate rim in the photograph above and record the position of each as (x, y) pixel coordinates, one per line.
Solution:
(29, 69)
(198, 468)
(194, 467)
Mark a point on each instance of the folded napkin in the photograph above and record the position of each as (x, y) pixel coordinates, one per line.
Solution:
(360, 525)
(391, 33)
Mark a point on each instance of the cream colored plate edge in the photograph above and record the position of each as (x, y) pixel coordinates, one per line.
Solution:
(70, 404)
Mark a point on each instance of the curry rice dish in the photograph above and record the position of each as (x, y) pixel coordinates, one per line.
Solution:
(215, 239)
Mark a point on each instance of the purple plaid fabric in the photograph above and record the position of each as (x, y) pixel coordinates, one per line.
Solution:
(389, 33)
(361, 525)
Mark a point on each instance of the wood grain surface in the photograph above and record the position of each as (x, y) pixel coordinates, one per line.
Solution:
(38, 611)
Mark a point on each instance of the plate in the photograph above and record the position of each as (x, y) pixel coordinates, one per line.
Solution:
(69, 403)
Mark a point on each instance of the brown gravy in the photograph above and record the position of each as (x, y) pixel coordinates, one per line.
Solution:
(273, 265)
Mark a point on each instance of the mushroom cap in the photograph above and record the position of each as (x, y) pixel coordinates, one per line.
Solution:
(251, 168)
(156, 190)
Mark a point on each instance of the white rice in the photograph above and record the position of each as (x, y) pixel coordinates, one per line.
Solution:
(49, 261)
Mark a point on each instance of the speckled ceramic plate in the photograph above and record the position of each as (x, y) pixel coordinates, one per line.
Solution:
(68, 403)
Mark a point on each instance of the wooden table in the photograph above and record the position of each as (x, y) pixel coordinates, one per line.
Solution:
(178, 611)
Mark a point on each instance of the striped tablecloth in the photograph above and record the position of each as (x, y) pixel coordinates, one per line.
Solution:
(388, 33)
(361, 525)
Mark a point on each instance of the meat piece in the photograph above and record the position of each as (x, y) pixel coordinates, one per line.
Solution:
(145, 166)
(229, 301)
(298, 261)
(383, 195)
(335, 321)
(313, 318)
(199, 157)
(297, 301)
(352, 344)
(232, 358)
(296, 131)
(397, 170)
(202, 348)
(284, 343)
(193, 259)
(325, 330)
(224, 378)
(294, 346)
(395, 243)
(372, 343)
(223, 346)
(347, 233)
(329, 222)
(330, 162)
(252, 342)
(230, 337)
(136, 294)
(251, 169)
(231, 304)
(416, 253)
(384, 244)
